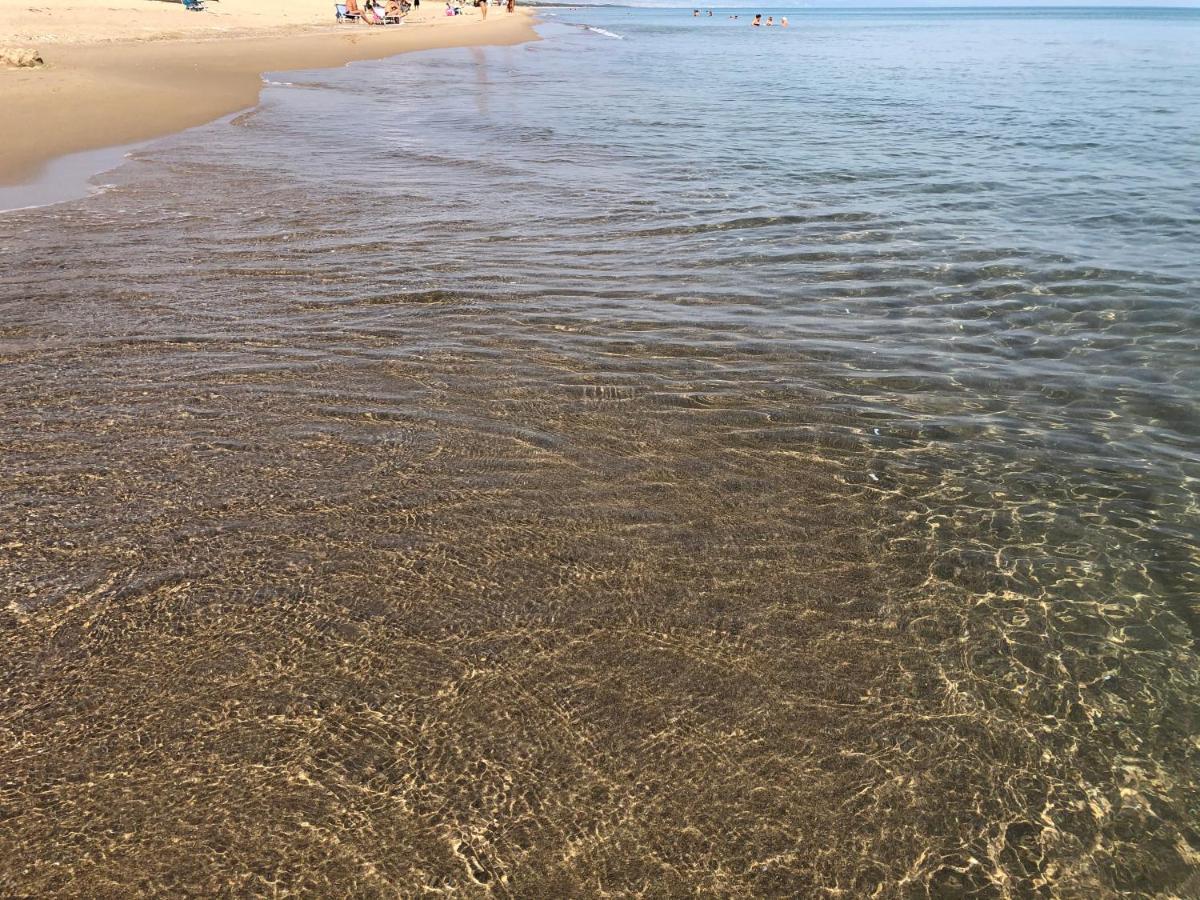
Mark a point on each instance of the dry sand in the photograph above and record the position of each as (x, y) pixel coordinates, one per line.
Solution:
(122, 71)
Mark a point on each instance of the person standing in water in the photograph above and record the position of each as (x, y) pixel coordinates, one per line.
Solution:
(770, 21)
(783, 21)
(757, 20)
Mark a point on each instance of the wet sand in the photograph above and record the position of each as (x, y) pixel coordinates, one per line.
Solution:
(104, 94)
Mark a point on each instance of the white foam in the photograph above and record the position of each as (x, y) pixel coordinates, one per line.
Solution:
(619, 37)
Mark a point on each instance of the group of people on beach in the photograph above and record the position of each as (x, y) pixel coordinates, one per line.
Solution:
(757, 23)
(456, 8)
(380, 12)
(383, 12)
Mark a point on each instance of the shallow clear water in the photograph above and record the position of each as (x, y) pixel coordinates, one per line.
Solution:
(755, 461)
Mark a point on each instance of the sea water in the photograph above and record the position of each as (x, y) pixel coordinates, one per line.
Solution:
(742, 459)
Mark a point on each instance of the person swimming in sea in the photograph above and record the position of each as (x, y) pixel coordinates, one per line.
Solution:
(770, 21)
(757, 20)
(783, 21)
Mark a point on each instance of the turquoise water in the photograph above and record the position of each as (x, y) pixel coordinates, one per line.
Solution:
(863, 355)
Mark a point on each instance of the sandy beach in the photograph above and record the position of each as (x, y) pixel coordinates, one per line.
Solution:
(122, 71)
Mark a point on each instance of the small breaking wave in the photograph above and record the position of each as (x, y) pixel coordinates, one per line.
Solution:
(593, 28)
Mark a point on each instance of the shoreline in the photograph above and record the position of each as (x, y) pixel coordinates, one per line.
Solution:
(92, 96)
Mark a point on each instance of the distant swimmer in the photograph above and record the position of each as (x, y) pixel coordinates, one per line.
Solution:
(770, 21)
(783, 22)
(757, 20)
(695, 13)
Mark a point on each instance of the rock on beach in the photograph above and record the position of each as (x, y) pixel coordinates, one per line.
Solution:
(20, 57)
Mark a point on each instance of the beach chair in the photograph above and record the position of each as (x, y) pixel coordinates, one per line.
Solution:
(344, 15)
(193, 5)
(392, 20)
